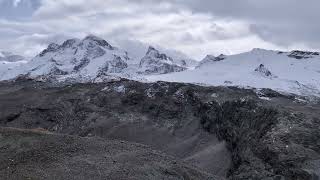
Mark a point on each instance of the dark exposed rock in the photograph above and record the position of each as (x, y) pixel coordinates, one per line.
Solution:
(225, 131)
(210, 58)
(69, 43)
(56, 71)
(99, 41)
(117, 65)
(83, 62)
(51, 48)
(303, 54)
(263, 71)
(42, 155)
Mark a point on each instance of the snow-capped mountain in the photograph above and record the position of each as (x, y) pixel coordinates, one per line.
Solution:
(93, 59)
(88, 58)
(292, 72)
(155, 62)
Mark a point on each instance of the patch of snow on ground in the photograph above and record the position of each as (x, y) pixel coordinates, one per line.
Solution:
(120, 89)
(265, 98)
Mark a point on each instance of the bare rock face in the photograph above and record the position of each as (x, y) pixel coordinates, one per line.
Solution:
(210, 58)
(262, 70)
(303, 54)
(156, 63)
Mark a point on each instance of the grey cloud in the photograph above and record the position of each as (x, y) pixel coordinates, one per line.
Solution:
(192, 26)
(283, 22)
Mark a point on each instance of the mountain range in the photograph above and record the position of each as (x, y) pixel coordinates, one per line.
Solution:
(93, 59)
(87, 104)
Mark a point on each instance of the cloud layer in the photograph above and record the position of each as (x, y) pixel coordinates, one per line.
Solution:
(193, 27)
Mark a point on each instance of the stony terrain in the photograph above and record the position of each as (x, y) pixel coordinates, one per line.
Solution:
(183, 131)
(42, 155)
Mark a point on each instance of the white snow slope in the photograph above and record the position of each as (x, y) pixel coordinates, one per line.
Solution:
(298, 74)
(77, 59)
(94, 60)
(91, 59)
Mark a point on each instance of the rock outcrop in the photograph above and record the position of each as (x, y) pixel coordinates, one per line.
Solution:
(155, 62)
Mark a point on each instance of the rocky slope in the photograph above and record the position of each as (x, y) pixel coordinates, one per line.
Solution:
(224, 132)
(37, 154)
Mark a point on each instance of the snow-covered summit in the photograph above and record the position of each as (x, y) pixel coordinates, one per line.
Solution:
(155, 62)
(258, 68)
(93, 59)
(86, 58)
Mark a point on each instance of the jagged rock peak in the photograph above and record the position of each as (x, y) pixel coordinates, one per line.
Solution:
(53, 46)
(99, 41)
(151, 49)
(213, 58)
(70, 43)
(89, 41)
(153, 52)
(155, 62)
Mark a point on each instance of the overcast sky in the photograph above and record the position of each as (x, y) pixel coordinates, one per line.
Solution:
(194, 27)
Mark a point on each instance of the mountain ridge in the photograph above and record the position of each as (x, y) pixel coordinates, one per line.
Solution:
(93, 59)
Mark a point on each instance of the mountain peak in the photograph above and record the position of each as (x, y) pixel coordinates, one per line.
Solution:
(69, 43)
(99, 41)
(158, 63)
(152, 51)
